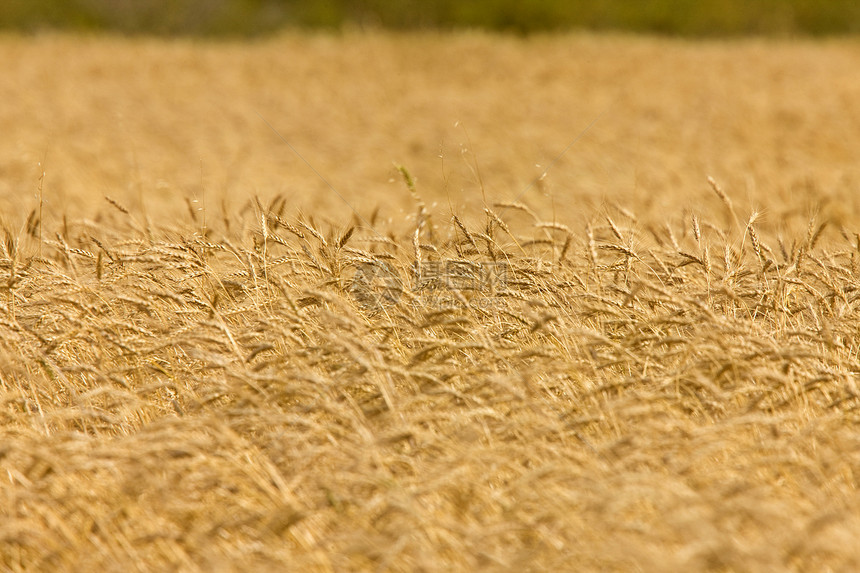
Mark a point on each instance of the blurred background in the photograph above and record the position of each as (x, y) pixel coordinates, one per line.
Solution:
(243, 18)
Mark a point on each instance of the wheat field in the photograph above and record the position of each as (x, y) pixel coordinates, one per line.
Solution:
(480, 304)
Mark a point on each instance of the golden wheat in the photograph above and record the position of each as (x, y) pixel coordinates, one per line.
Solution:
(583, 401)
(547, 382)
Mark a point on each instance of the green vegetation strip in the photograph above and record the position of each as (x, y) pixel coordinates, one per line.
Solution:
(252, 17)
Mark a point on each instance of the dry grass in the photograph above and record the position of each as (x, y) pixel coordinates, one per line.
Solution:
(537, 383)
